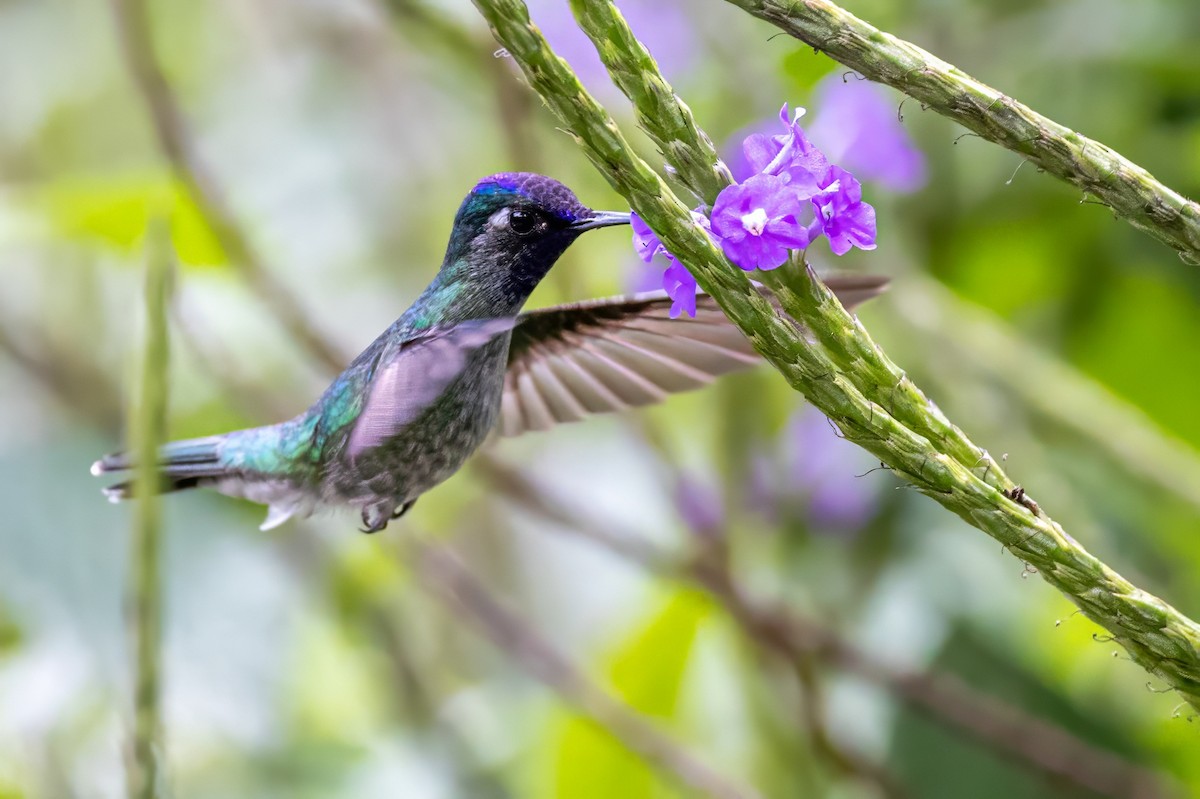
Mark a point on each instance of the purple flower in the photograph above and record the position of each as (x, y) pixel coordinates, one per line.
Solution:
(822, 467)
(856, 126)
(812, 475)
(699, 505)
(758, 221)
(645, 240)
(790, 194)
(681, 288)
(844, 218)
(677, 280)
(789, 153)
(836, 196)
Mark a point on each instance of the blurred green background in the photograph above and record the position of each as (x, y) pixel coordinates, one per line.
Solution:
(312, 661)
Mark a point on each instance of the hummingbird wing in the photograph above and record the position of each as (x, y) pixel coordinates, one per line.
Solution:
(414, 374)
(569, 361)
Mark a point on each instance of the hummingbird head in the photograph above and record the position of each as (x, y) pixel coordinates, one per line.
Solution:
(510, 230)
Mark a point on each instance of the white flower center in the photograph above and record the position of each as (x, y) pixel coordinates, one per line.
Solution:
(755, 221)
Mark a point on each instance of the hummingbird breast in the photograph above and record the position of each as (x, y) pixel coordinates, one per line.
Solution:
(434, 445)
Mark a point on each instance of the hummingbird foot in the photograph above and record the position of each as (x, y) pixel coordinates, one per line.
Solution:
(376, 517)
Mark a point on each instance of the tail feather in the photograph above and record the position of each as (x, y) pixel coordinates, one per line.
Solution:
(244, 463)
(182, 465)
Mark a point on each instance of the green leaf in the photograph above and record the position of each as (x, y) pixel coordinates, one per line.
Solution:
(646, 671)
(115, 211)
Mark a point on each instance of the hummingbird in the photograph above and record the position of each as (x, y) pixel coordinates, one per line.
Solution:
(464, 361)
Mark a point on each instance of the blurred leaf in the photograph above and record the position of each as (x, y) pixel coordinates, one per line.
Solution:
(936, 762)
(336, 698)
(11, 635)
(364, 576)
(1140, 320)
(647, 671)
(115, 211)
(804, 69)
(1024, 251)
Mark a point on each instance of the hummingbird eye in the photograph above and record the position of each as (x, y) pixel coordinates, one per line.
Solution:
(522, 222)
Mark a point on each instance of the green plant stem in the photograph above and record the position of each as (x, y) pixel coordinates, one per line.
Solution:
(666, 119)
(1051, 388)
(149, 426)
(1129, 190)
(1157, 636)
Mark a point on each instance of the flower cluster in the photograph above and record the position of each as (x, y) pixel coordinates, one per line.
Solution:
(794, 196)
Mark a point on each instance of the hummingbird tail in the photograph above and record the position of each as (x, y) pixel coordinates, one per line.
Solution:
(182, 464)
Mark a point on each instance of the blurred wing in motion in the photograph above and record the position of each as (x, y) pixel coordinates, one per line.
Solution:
(415, 376)
(569, 361)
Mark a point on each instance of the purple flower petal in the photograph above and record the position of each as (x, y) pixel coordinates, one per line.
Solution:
(789, 153)
(640, 277)
(676, 279)
(681, 288)
(758, 151)
(857, 127)
(645, 241)
(758, 222)
(845, 219)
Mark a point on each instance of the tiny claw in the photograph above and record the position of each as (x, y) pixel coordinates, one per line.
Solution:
(97, 469)
(374, 519)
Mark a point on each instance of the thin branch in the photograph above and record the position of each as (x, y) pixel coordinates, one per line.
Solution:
(76, 383)
(845, 761)
(179, 147)
(710, 539)
(875, 414)
(1051, 388)
(447, 579)
(1101, 172)
(944, 698)
(149, 424)
(378, 609)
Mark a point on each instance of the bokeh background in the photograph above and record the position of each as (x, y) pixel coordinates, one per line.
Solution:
(338, 137)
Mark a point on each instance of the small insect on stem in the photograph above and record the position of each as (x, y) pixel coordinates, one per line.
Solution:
(1018, 495)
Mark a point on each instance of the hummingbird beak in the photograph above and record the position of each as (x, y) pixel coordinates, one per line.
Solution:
(601, 219)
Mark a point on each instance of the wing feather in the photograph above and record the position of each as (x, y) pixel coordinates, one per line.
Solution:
(570, 361)
(410, 377)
